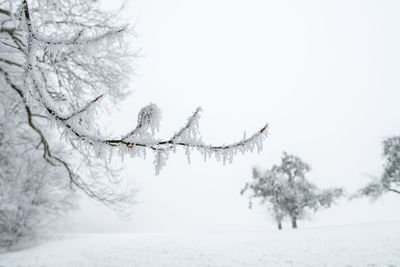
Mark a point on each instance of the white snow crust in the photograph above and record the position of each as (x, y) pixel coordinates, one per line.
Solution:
(375, 244)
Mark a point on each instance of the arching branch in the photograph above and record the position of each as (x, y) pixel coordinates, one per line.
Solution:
(186, 137)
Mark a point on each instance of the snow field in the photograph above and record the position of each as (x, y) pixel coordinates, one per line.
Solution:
(352, 245)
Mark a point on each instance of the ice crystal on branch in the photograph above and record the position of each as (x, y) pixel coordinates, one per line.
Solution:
(149, 117)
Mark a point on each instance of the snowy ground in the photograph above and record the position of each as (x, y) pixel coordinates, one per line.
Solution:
(353, 245)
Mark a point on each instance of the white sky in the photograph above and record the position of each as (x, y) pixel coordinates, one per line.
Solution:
(324, 74)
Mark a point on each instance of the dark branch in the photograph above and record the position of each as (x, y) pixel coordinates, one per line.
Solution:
(5, 12)
(394, 190)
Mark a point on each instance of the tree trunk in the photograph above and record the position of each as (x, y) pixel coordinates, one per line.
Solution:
(294, 223)
(279, 225)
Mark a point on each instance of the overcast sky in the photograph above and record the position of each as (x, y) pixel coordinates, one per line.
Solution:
(323, 74)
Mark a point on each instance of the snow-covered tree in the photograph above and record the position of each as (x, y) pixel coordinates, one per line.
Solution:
(287, 192)
(267, 187)
(33, 194)
(389, 181)
(60, 59)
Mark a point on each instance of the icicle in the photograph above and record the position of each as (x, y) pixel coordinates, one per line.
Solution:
(160, 160)
(188, 154)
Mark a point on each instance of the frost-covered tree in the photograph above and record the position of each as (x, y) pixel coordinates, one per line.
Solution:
(60, 59)
(389, 181)
(287, 192)
(266, 186)
(33, 194)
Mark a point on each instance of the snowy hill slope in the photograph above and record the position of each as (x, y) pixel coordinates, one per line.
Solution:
(352, 245)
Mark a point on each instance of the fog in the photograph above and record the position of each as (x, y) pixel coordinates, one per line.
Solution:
(323, 74)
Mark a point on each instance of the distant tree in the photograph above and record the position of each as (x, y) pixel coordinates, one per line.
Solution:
(269, 188)
(58, 60)
(389, 181)
(288, 193)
